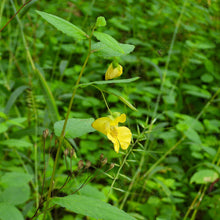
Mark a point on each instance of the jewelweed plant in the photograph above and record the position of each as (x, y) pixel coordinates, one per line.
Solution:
(92, 128)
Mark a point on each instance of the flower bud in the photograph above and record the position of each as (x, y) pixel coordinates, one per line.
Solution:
(101, 156)
(104, 161)
(88, 164)
(45, 133)
(66, 152)
(113, 71)
(72, 152)
(100, 21)
(111, 166)
(80, 164)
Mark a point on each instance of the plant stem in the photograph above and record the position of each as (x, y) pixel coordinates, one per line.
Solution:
(64, 127)
(137, 173)
(123, 162)
(168, 58)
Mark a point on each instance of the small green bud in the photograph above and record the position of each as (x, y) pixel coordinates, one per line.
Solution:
(100, 22)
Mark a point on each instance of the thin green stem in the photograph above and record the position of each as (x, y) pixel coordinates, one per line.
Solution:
(138, 171)
(123, 162)
(64, 127)
(168, 58)
(16, 12)
(103, 98)
(202, 193)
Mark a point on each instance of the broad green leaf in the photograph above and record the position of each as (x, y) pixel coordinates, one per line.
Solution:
(193, 135)
(17, 121)
(13, 97)
(204, 176)
(91, 207)
(109, 41)
(202, 94)
(104, 50)
(9, 212)
(196, 91)
(93, 192)
(201, 45)
(190, 122)
(62, 25)
(207, 78)
(15, 195)
(15, 179)
(16, 143)
(109, 82)
(75, 127)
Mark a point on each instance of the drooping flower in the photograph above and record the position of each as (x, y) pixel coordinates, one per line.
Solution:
(119, 136)
(113, 71)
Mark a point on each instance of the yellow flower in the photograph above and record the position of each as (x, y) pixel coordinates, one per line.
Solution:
(113, 72)
(119, 136)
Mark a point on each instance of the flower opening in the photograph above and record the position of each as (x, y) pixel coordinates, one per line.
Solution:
(119, 136)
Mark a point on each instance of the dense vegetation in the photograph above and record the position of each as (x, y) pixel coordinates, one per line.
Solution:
(169, 92)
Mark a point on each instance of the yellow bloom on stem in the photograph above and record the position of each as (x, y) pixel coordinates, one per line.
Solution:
(113, 71)
(119, 136)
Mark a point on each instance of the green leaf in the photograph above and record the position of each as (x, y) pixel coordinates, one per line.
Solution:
(3, 127)
(109, 82)
(106, 51)
(13, 97)
(201, 45)
(16, 143)
(92, 191)
(15, 195)
(204, 176)
(15, 179)
(193, 135)
(75, 127)
(109, 41)
(62, 25)
(91, 207)
(9, 212)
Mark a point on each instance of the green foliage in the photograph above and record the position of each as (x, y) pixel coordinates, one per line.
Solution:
(97, 208)
(64, 26)
(100, 21)
(204, 176)
(9, 212)
(75, 127)
(169, 91)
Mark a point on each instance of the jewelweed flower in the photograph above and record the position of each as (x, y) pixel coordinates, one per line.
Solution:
(119, 136)
(113, 71)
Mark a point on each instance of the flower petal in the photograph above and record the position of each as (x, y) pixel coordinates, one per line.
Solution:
(114, 140)
(124, 137)
(102, 124)
(112, 72)
(119, 119)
